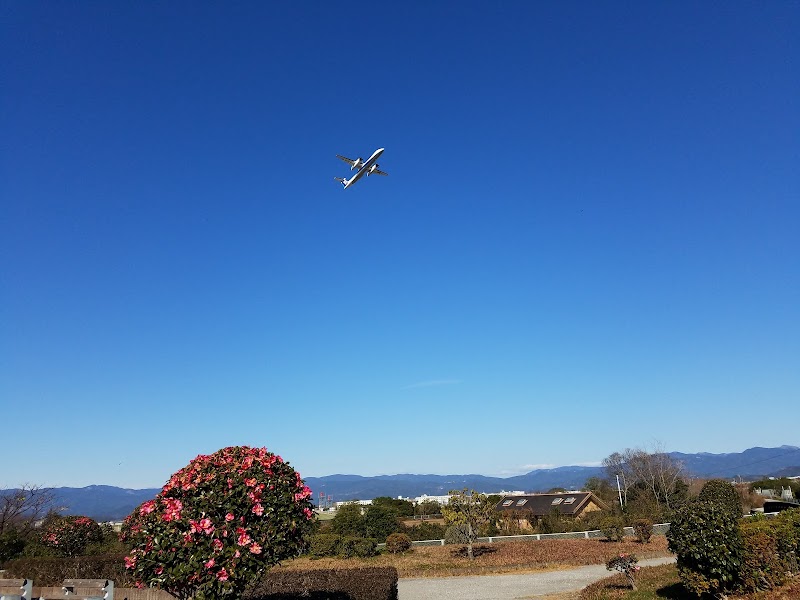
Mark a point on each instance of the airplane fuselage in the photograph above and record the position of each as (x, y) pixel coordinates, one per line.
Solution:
(365, 167)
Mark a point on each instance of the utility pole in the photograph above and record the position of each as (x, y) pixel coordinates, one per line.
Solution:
(619, 491)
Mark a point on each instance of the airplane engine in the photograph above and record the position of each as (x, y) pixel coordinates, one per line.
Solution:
(358, 164)
(372, 169)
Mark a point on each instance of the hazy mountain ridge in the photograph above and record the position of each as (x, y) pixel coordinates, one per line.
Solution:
(109, 503)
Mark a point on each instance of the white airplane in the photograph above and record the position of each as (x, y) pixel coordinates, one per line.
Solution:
(370, 167)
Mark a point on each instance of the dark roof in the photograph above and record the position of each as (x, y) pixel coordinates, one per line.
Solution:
(567, 503)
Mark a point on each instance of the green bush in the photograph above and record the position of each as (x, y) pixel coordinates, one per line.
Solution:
(325, 544)
(643, 528)
(613, 528)
(770, 551)
(358, 547)
(706, 539)
(719, 490)
(398, 543)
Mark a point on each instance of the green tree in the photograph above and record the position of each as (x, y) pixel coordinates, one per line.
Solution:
(470, 509)
(348, 521)
(403, 508)
(380, 522)
(427, 508)
(719, 490)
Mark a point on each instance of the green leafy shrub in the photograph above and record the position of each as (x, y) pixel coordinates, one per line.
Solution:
(398, 543)
(719, 490)
(613, 528)
(358, 547)
(770, 551)
(643, 528)
(12, 544)
(706, 539)
(325, 544)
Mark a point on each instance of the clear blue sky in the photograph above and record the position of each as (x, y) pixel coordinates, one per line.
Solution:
(589, 239)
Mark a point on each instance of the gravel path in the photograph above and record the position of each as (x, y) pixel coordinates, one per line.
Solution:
(508, 587)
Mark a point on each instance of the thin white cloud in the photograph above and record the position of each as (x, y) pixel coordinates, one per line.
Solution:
(432, 383)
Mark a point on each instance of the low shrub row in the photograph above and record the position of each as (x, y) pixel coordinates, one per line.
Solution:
(365, 583)
(331, 544)
(52, 571)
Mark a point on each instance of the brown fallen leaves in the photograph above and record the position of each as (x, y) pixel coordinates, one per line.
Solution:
(517, 556)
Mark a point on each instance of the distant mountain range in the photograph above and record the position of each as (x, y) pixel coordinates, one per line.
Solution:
(108, 503)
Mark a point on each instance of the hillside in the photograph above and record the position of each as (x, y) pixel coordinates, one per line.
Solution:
(109, 503)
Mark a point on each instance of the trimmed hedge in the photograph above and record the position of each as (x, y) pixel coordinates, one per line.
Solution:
(365, 583)
(52, 571)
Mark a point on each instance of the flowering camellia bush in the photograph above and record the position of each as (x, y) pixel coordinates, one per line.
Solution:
(626, 564)
(69, 536)
(219, 523)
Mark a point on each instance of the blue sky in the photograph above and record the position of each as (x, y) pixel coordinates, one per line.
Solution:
(588, 239)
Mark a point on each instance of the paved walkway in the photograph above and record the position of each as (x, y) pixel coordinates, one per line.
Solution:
(508, 587)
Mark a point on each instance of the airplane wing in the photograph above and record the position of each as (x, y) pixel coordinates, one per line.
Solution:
(349, 161)
(379, 172)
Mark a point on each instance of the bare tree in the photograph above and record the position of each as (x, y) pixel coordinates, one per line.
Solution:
(652, 472)
(22, 507)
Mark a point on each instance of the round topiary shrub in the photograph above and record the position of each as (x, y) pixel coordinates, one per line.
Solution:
(397, 543)
(706, 539)
(719, 490)
(69, 536)
(219, 523)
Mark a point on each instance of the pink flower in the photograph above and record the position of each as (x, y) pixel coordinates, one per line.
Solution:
(237, 554)
(255, 548)
(209, 564)
(229, 517)
(207, 526)
(130, 562)
(308, 513)
(250, 482)
(217, 545)
(147, 507)
(243, 539)
(258, 509)
(159, 570)
(222, 575)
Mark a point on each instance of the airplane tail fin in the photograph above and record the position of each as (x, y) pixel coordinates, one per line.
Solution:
(341, 180)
